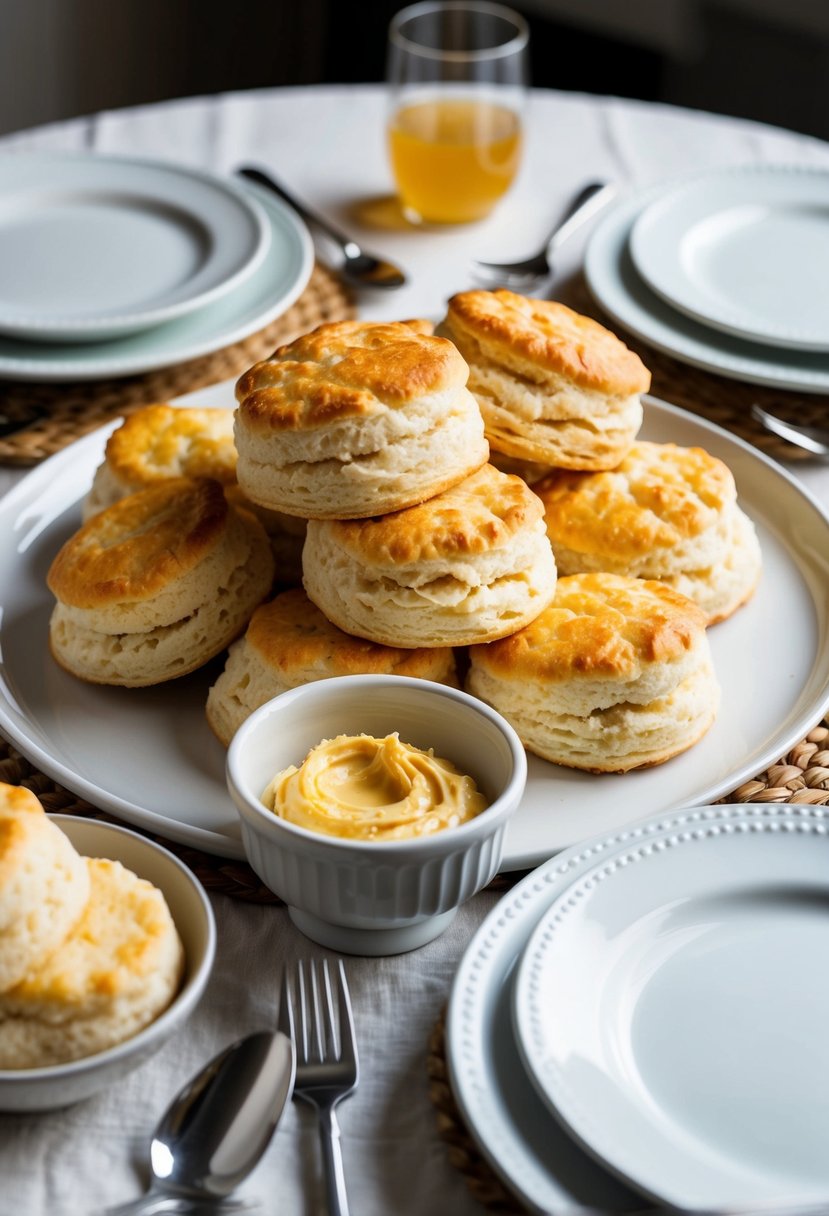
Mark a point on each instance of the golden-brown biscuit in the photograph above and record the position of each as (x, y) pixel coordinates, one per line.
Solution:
(666, 512)
(470, 565)
(289, 642)
(615, 674)
(356, 419)
(161, 441)
(117, 970)
(554, 387)
(157, 584)
(44, 885)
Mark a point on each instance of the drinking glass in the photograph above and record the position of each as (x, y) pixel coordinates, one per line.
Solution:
(457, 74)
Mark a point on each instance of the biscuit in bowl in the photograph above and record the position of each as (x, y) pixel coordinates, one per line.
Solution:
(114, 973)
(356, 419)
(157, 584)
(44, 885)
(666, 512)
(289, 642)
(554, 387)
(469, 565)
(161, 441)
(615, 674)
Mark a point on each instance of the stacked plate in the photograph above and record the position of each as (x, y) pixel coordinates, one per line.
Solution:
(646, 1016)
(727, 271)
(113, 267)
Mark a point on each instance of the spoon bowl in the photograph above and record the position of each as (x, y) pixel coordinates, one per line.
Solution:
(218, 1126)
(358, 267)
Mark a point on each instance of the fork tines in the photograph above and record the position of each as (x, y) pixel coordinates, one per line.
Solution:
(315, 1011)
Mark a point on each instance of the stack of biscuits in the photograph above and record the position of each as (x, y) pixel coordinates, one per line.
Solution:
(89, 953)
(649, 542)
(479, 488)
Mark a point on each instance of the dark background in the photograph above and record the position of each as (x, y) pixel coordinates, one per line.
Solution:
(763, 59)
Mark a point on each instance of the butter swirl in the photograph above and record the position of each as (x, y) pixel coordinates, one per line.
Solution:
(361, 788)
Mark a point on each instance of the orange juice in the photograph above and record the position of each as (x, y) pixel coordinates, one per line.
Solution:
(453, 159)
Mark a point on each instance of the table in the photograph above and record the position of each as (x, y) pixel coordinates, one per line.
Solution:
(327, 143)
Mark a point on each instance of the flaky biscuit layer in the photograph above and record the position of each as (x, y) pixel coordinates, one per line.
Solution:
(615, 674)
(44, 885)
(470, 565)
(161, 441)
(289, 642)
(666, 513)
(356, 419)
(141, 545)
(346, 370)
(115, 972)
(554, 387)
(544, 336)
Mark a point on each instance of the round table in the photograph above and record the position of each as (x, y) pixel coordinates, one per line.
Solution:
(327, 143)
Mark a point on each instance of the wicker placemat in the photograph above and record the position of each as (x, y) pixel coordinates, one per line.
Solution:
(802, 775)
(57, 414)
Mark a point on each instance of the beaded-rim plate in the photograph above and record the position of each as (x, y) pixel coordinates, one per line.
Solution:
(512, 1126)
(671, 1009)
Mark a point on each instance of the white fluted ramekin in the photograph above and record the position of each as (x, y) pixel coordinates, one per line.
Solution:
(375, 897)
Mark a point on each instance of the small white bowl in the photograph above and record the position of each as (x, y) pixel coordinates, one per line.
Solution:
(375, 897)
(32, 1089)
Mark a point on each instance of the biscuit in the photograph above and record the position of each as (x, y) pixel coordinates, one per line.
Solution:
(470, 565)
(666, 513)
(286, 534)
(616, 674)
(44, 885)
(157, 584)
(356, 419)
(289, 642)
(115, 972)
(554, 387)
(161, 441)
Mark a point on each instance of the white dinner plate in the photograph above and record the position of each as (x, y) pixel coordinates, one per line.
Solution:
(269, 291)
(618, 288)
(148, 756)
(511, 1124)
(671, 1008)
(94, 247)
(745, 250)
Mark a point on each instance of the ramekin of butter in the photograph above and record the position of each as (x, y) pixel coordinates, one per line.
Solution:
(395, 818)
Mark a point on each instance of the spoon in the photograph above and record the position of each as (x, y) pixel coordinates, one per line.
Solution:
(813, 439)
(217, 1127)
(359, 268)
(587, 203)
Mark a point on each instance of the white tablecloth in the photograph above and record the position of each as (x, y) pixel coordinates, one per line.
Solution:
(327, 143)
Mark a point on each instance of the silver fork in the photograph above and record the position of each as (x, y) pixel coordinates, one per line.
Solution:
(814, 439)
(587, 203)
(327, 1069)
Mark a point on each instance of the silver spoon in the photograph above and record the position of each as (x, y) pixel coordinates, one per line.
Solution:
(216, 1129)
(813, 439)
(587, 203)
(359, 268)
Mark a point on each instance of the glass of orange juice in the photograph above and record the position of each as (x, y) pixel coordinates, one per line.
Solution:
(457, 73)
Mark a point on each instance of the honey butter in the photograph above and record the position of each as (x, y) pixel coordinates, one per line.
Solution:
(361, 788)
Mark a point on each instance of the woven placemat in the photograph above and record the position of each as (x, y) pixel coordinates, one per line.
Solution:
(57, 414)
(802, 775)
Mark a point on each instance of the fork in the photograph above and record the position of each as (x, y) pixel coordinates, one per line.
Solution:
(327, 1069)
(813, 439)
(588, 202)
